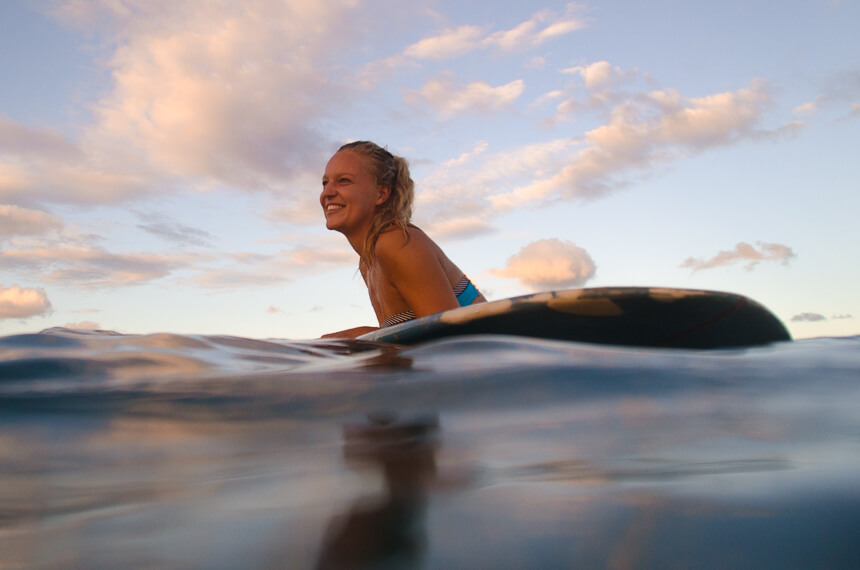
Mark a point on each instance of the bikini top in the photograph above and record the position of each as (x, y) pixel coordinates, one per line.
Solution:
(465, 292)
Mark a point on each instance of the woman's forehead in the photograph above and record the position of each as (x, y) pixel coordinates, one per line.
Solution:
(346, 162)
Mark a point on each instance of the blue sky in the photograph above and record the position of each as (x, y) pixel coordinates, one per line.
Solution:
(160, 160)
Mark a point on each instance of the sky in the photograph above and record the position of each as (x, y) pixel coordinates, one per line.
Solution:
(161, 160)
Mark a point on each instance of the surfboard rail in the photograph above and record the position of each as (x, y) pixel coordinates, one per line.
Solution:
(623, 316)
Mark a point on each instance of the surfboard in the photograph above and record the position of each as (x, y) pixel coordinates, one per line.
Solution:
(622, 316)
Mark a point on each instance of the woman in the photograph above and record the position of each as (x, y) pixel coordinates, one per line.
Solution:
(367, 196)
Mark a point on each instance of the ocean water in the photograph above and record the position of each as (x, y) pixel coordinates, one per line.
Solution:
(171, 451)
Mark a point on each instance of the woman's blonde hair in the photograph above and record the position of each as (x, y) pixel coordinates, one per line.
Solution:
(392, 171)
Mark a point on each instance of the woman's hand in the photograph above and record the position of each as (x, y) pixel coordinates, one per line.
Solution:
(350, 333)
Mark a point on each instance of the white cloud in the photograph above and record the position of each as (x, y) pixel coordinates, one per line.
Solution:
(601, 74)
(469, 156)
(468, 226)
(537, 62)
(646, 130)
(87, 311)
(808, 318)
(817, 317)
(83, 325)
(229, 96)
(448, 98)
(20, 303)
(200, 94)
(451, 190)
(806, 108)
(449, 43)
(15, 221)
(264, 270)
(375, 71)
(85, 266)
(28, 142)
(38, 165)
(743, 253)
(175, 232)
(541, 27)
(549, 96)
(549, 264)
(454, 42)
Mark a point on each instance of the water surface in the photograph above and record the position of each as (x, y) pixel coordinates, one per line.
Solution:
(172, 451)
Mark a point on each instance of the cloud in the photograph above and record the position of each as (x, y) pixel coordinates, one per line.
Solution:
(79, 261)
(541, 27)
(469, 156)
(454, 42)
(273, 309)
(843, 86)
(465, 227)
(743, 253)
(87, 311)
(448, 98)
(644, 131)
(808, 318)
(450, 184)
(83, 325)
(20, 303)
(29, 142)
(601, 74)
(263, 270)
(90, 267)
(549, 264)
(199, 94)
(549, 96)
(173, 231)
(537, 62)
(806, 108)
(375, 71)
(446, 44)
(230, 96)
(454, 188)
(842, 316)
(38, 164)
(840, 88)
(15, 221)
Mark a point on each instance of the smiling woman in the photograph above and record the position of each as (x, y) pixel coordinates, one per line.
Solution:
(367, 196)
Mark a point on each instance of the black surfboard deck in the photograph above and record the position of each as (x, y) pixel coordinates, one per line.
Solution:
(623, 316)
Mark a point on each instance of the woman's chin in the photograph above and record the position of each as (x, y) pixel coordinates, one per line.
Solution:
(334, 226)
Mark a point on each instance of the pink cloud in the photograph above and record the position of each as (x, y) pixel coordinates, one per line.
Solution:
(549, 264)
(743, 253)
(21, 303)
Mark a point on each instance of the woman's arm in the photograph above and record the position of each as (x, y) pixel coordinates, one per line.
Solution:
(350, 333)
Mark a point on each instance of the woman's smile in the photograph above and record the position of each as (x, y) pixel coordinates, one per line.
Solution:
(349, 194)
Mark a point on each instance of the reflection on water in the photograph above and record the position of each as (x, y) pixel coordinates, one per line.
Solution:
(170, 451)
(388, 529)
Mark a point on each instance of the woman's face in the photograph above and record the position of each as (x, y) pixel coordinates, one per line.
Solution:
(350, 193)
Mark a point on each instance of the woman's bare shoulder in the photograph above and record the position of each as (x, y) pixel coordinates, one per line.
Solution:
(397, 241)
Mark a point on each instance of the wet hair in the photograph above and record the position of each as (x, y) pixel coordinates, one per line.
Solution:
(392, 171)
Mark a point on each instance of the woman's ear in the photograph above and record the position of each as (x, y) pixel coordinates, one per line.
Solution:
(384, 193)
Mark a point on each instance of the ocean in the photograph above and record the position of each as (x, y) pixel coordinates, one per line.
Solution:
(182, 451)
